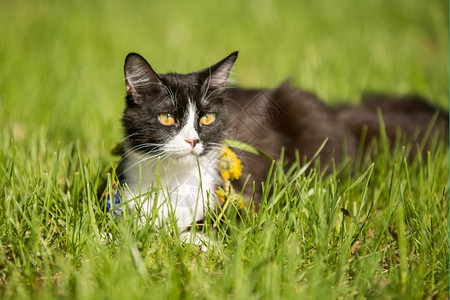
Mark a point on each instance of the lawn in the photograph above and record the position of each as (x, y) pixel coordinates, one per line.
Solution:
(379, 232)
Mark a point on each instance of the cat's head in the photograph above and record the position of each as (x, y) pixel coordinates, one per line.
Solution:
(172, 115)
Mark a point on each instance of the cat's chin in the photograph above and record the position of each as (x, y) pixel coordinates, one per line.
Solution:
(193, 158)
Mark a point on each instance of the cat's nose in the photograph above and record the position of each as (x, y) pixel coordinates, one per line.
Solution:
(192, 142)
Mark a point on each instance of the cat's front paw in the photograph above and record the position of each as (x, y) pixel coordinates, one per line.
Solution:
(199, 239)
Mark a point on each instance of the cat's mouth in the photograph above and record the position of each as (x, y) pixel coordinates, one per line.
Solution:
(190, 153)
(184, 151)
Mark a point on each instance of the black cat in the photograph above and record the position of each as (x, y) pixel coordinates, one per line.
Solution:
(175, 125)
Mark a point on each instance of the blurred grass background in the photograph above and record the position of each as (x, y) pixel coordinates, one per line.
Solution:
(61, 99)
(61, 62)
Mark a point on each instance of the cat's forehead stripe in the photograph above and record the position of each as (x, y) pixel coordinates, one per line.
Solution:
(188, 130)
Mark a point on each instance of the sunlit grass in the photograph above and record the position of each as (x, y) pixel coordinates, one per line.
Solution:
(378, 232)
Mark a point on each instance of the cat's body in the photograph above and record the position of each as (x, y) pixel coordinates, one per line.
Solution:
(300, 122)
(175, 124)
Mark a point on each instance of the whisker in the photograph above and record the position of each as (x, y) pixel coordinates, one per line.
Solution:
(140, 146)
(241, 154)
(136, 148)
(146, 159)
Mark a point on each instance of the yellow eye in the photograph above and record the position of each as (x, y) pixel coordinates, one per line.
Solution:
(166, 119)
(207, 119)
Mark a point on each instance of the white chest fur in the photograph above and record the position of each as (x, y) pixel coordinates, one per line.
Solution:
(182, 187)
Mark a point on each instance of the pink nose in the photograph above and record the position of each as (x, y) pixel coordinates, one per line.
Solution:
(192, 143)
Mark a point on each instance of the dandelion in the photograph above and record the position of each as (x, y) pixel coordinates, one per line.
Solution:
(229, 165)
(230, 169)
(222, 195)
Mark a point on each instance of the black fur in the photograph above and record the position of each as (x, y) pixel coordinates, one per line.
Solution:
(268, 119)
(300, 121)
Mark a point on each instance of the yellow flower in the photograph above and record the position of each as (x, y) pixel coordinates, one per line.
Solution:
(221, 194)
(230, 169)
(229, 165)
(241, 204)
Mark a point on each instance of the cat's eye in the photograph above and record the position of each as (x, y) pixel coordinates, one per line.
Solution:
(207, 119)
(166, 119)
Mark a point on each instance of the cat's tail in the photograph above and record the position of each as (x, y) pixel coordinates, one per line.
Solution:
(405, 119)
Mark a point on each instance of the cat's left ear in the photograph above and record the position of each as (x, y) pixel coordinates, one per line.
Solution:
(138, 74)
(217, 75)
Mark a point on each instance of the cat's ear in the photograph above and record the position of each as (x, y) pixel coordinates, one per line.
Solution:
(217, 75)
(138, 74)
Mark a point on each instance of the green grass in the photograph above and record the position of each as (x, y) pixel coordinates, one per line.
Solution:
(381, 232)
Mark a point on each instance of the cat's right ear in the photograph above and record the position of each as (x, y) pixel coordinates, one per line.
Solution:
(138, 74)
(217, 75)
